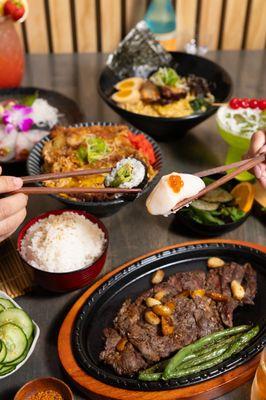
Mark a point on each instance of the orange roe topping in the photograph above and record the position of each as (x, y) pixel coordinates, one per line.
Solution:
(175, 183)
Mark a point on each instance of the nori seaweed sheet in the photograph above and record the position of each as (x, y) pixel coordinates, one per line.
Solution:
(138, 54)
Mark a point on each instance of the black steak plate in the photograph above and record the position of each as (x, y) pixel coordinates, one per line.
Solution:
(101, 307)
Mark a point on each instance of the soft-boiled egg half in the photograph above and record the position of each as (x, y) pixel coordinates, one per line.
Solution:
(130, 83)
(170, 190)
(131, 96)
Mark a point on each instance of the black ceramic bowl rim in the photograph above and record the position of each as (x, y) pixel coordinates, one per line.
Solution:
(218, 229)
(23, 231)
(35, 156)
(206, 113)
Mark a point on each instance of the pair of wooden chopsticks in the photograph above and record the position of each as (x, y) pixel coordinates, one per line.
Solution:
(240, 166)
(71, 190)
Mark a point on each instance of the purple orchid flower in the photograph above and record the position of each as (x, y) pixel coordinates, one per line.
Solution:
(17, 117)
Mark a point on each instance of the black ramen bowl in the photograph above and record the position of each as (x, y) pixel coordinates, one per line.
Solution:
(182, 219)
(172, 128)
(102, 208)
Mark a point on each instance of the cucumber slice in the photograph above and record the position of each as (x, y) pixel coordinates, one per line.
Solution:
(218, 195)
(6, 303)
(204, 205)
(18, 317)
(14, 340)
(3, 351)
(5, 370)
(1, 308)
(23, 356)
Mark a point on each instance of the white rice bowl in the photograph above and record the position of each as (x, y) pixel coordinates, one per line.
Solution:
(63, 243)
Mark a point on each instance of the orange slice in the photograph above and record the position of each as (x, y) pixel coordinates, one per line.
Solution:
(126, 96)
(244, 194)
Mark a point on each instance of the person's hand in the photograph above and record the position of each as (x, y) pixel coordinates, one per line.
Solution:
(258, 146)
(13, 207)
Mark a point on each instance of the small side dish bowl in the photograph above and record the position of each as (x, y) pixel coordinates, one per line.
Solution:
(36, 334)
(210, 230)
(100, 208)
(43, 384)
(65, 281)
(162, 128)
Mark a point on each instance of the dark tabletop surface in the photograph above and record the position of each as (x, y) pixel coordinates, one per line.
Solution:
(132, 231)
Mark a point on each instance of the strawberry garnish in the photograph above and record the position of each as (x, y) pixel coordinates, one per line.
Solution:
(14, 8)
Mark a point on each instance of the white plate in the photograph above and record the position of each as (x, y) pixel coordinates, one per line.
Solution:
(34, 342)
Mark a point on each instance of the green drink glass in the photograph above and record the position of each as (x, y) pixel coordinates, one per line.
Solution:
(236, 127)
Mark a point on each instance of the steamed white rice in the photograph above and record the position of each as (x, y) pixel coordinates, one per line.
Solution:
(63, 243)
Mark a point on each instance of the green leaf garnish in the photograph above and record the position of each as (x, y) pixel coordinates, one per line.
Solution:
(97, 148)
(199, 104)
(93, 149)
(82, 154)
(29, 100)
(208, 180)
(165, 77)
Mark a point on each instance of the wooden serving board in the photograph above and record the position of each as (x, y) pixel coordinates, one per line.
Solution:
(96, 389)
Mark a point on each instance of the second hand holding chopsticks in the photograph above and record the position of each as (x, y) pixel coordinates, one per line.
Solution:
(242, 166)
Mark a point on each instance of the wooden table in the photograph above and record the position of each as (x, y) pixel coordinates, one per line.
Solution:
(132, 231)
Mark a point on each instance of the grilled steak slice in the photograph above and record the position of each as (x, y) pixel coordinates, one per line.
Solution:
(149, 340)
(128, 315)
(241, 273)
(192, 318)
(125, 362)
(250, 284)
(207, 316)
(213, 281)
(192, 280)
(183, 281)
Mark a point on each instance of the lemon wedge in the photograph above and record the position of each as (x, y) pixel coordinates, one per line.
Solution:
(130, 83)
(126, 96)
